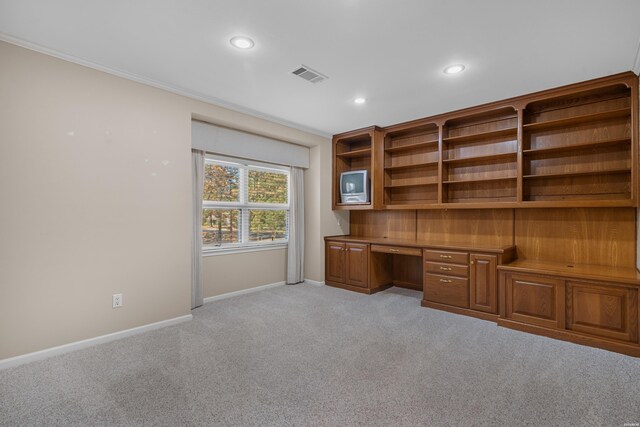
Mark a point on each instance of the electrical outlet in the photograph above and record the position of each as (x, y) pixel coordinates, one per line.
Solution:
(117, 300)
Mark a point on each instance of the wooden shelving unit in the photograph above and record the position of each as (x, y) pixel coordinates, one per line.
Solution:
(573, 151)
(577, 146)
(354, 151)
(410, 165)
(574, 146)
(479, 157)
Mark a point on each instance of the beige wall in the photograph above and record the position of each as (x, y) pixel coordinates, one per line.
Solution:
(95, 200)
(318, 213)
(234, 272)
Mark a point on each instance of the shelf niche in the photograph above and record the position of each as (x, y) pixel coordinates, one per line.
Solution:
(578, 146)
(354, 151)
(479, 157)
(411, 165)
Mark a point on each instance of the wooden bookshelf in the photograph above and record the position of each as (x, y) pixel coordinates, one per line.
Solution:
(478, 151)
(410, 164)
(577, 146)
(570, 146)
(354, 151)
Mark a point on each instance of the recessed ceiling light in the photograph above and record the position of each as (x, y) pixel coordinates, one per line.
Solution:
(242, 42)
(359, 100)
(454, 69)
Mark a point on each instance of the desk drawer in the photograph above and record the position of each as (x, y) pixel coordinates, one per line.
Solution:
(396, 250)
(446, 256)
(446, 290)
(446, 269)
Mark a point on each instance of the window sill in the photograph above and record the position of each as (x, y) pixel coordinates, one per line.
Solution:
(242, 249)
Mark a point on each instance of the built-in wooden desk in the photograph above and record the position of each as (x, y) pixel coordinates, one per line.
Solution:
(587, 304)
(453, 277)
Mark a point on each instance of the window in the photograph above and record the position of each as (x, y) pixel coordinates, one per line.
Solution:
(244, 204)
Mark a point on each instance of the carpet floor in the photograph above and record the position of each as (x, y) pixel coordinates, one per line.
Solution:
(311, 355)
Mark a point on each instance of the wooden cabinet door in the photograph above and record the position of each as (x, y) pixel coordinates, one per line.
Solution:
(357, 264)
(603, 310)
(536, 300)
(482, 283)
(335, 269)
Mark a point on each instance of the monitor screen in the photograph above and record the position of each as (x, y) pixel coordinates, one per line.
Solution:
(353, 183)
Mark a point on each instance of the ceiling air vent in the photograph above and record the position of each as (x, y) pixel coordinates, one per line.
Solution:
(309, 75)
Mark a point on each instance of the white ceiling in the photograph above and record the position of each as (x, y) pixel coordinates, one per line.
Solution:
(391, 52)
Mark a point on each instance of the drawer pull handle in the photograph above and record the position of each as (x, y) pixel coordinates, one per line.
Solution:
(445, 281)
(445, 256)
(445, 268)
(394, 250)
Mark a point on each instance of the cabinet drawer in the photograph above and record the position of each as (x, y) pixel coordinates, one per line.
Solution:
(446, 256)
(397, 250)
(446, 269)
(446, 290)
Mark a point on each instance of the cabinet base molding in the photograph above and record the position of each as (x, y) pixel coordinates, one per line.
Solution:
(356, 288)
(459, 310)
(574, 337)
(408, 285)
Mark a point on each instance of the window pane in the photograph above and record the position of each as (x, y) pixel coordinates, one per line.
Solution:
(267, 187)
(220, 226)
(267, 225)
(221, 183)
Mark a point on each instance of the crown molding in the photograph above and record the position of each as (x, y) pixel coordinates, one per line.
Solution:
(160, 85)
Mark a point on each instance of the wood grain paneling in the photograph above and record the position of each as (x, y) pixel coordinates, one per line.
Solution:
(357, 265)
(600, 236)
(535, 300)
(446, 290)
(335, 262)
(448, 269)
(448, 257)
(380, 270)
(483, 227)
(483, 283)
(390, 224)
(407, 272)
(603, 310)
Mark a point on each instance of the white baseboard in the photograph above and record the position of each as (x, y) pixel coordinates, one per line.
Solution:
(66, 348)
(242, 292)
(314, 282)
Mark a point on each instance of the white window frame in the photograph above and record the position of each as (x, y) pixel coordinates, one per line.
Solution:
(244, 206)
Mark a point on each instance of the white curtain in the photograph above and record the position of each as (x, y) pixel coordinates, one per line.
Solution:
(197, 175)
(295, 253)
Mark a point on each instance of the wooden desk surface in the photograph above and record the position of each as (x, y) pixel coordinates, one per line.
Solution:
(414, 243)
(628, 275)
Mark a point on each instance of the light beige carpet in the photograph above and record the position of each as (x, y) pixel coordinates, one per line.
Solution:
(310, 355)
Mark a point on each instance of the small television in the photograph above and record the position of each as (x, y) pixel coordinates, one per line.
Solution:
(355, 186)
